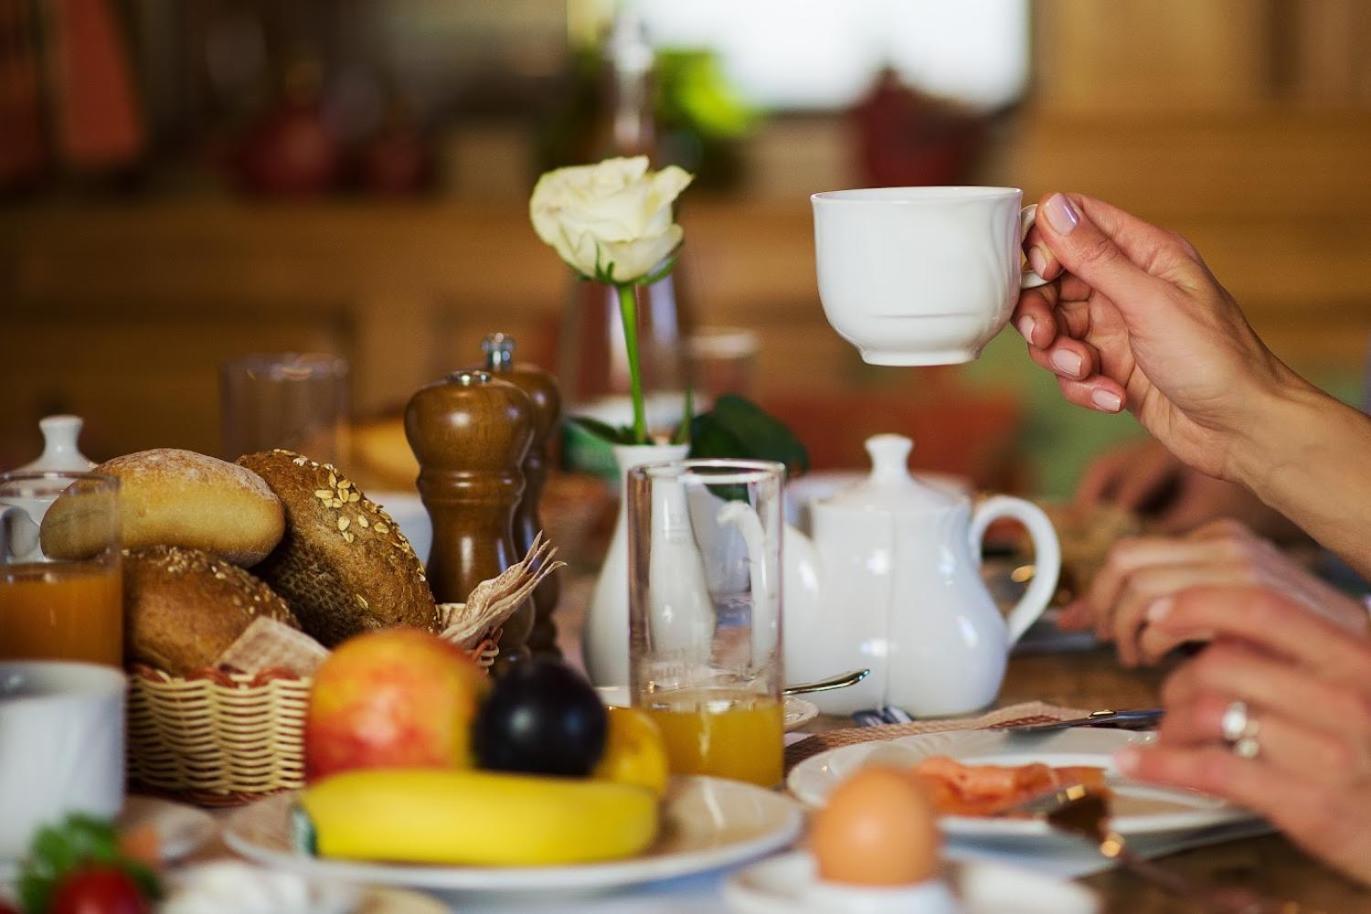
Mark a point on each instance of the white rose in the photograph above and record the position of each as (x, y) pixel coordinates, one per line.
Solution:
(615, 213)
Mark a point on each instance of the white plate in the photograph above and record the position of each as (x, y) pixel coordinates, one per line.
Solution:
(706, 823)
(798, 712)
(1138, 809)
(787, 885)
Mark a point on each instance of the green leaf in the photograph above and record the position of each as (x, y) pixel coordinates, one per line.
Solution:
(614, 434)
(738, 428)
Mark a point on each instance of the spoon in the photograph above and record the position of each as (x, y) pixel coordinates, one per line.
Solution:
(840, 681)
(1080, 811)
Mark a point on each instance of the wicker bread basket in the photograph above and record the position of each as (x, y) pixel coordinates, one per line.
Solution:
(221, 739)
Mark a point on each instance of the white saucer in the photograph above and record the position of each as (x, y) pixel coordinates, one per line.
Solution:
(787, 884)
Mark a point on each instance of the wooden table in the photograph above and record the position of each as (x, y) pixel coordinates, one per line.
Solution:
(1269, 864)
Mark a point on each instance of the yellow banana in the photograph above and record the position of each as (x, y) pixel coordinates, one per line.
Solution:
(479, 818)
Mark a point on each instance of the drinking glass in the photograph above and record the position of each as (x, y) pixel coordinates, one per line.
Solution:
(297, 401)
(61, 587)
(704, 613)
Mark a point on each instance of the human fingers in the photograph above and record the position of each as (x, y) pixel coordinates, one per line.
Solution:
(1089, 250)
(1129, 555)
(1330, 822)
(1271, 621)
(1044, 312)
(1034, 315)
(1098, 392)
(1145, 586)
(1067, 358)
(1285, 742)
(1259, 787)
(1271, 686)
(1040, 257)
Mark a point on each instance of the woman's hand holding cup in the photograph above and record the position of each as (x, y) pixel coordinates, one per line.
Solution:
(1136, 320)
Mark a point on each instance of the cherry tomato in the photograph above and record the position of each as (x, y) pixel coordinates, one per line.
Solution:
(98, 890)
(8, 909)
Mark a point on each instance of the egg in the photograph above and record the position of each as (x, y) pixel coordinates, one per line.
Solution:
(878, 828)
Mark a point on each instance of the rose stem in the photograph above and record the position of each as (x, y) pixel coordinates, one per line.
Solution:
(628, 311)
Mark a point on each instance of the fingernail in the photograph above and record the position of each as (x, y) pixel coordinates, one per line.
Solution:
(1037, 259)
(1159, 609)
(1067, 362)
(1026, 327)
(1126, 760)
(1106, 400)
(1060, 214)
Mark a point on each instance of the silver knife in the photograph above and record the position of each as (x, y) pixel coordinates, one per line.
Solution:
(1138, 719)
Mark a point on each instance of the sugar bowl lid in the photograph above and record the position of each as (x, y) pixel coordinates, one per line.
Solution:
(890, 487)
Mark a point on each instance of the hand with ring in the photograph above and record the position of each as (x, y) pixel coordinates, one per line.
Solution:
(1274, 716)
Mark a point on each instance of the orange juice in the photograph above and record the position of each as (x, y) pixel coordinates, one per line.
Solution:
(62, 611)
(724, 734)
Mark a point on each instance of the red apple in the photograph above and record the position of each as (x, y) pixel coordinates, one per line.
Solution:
(391, 699)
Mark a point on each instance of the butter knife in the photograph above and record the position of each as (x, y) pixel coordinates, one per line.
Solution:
(1137, 719)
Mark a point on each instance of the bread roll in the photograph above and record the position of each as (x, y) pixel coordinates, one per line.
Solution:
(343, 565)
(184, 607)
(170, 497)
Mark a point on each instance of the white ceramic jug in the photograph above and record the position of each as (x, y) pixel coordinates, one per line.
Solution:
(891, 581)
(605, 637)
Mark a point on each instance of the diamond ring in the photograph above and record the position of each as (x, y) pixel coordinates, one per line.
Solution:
(1240, 730)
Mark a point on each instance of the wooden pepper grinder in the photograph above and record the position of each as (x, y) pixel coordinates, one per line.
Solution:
(541, 388)
(470, 433)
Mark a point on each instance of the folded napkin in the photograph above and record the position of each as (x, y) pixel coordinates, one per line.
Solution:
(1029, 712)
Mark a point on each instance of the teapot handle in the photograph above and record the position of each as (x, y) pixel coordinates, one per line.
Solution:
(1047, 555)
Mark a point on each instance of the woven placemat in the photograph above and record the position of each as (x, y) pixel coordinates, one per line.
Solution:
(1029, 712)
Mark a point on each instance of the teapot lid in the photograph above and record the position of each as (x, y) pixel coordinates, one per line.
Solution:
(890, 487)
(61, 453)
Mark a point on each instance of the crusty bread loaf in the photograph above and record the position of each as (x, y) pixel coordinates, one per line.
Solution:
(170, 497)
(185, 607)
(343, 565)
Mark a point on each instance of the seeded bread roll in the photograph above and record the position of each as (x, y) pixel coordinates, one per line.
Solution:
(185, 607)
(169, 497)
(343, 565)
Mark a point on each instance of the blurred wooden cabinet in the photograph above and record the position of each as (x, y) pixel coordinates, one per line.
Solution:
(1121, 57)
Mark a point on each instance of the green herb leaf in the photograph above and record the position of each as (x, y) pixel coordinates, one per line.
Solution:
(614, 434)
(58, 850)
(739, 428)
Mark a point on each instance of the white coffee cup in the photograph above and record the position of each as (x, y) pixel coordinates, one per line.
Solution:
(921, 275)
(61, 746)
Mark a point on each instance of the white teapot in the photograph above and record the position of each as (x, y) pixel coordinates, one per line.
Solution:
(890, 581)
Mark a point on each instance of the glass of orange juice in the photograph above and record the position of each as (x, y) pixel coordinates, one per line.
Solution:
(704, 613)
(61, 590)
